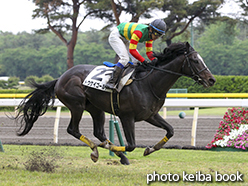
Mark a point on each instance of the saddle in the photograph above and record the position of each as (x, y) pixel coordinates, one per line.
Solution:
(100, 75)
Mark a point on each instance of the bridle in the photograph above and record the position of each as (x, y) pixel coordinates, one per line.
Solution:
(194, 73)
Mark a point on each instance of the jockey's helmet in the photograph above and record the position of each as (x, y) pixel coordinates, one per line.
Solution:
(158, 26)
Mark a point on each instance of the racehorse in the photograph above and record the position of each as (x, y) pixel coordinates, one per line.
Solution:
(140, 100)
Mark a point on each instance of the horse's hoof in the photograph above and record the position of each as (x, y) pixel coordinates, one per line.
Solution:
(124, 161)
(94, 155)
(148, 151)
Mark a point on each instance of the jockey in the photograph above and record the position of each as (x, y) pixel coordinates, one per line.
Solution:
(124, 40)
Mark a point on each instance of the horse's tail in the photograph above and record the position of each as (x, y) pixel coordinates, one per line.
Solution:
(34, 105)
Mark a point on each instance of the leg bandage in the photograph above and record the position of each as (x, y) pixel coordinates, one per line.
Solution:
(160, 144)
(87, 141)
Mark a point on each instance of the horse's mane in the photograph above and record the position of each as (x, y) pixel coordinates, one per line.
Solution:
(171, 52)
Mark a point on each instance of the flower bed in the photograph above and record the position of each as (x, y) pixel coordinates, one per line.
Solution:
(232, 131)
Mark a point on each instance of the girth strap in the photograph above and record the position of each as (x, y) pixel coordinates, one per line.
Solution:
(114, 97)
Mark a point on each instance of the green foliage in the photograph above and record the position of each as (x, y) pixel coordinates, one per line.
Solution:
(11, 83)
(3, 84)
(224, 84)
(178, 12)
(182, 12)
(222, 33)
(24, 61)
(103, 9)
(43, 79)
(93, 53)
(45, 54)
(222, 47)
(223, 53)
(14, 91)
(30, 79)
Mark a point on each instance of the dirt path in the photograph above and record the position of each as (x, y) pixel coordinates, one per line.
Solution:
(146, 134)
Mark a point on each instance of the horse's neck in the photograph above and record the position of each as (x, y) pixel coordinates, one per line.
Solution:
(161, 81)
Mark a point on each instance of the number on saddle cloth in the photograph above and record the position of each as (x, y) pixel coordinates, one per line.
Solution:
(100, 75)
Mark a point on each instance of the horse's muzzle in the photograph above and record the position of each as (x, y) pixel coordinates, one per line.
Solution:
(211, 81)
(208, 82)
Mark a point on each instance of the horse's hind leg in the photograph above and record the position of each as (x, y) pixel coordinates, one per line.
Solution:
(69, 90)
(73, 129)
(98, 117)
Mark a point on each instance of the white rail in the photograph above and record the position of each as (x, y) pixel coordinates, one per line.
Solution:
(196, 103)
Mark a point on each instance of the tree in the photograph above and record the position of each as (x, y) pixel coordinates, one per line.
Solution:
(62, 17)
(178, 14)
(223, 53)
(23, 62)
(244, 5)
(111, 10)
(182, 14)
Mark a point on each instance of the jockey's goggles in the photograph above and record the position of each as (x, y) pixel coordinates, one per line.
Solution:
(157, 32)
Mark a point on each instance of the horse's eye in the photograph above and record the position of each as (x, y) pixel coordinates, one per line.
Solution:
(196, 61)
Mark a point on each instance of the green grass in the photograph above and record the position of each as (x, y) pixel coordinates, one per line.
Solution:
(216, 111)
(74, 166)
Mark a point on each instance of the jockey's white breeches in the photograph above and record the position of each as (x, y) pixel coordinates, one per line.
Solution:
(121, 47)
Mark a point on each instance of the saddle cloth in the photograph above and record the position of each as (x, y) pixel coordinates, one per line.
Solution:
(100, 75)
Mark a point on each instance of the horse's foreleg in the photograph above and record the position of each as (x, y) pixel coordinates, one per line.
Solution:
(158, 121)
(128, 127)
(116, 149)
(110, 146)
(156, 147)
(98, 117)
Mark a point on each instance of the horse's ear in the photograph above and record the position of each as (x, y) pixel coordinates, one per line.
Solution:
(188, 46)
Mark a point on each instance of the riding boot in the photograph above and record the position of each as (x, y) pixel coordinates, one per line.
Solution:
(114, 77)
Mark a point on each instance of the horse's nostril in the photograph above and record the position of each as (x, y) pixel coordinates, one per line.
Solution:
(212, 81)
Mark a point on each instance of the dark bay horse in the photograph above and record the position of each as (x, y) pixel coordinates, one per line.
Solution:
(141, 100)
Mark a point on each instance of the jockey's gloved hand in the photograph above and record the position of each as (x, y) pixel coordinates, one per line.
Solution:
(145, 63)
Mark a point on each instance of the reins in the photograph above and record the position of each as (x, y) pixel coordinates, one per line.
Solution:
(195, 75)
(144, 76)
